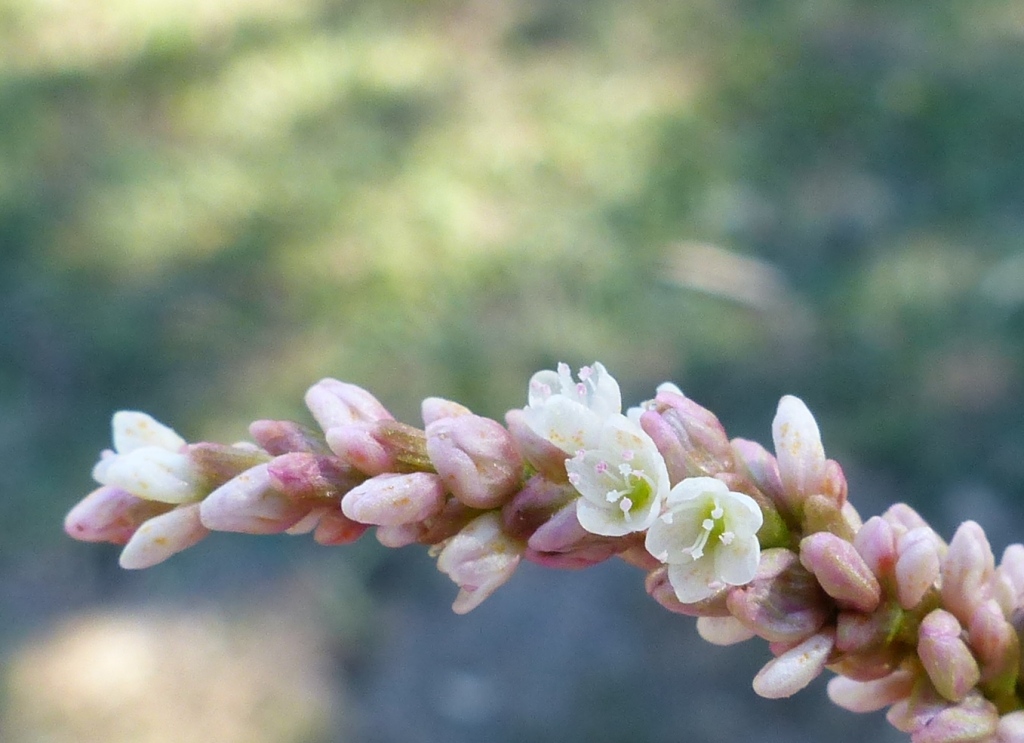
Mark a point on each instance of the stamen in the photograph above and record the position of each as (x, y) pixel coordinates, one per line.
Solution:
(726, 537)
(627, 455)
(586, 372)
(625, 505)
(625, 470)
(581, 389)
(601, 467)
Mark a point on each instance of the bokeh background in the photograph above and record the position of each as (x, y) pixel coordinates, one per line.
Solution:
(207, 205)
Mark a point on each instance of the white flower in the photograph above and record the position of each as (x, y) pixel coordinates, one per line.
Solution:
(623, 480)
(708, 537)
(147, 461)
(570, 413)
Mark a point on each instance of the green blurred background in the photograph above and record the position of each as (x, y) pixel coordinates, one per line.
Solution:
(207, 205)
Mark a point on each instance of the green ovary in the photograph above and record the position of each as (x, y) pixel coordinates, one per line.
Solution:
(640, 494)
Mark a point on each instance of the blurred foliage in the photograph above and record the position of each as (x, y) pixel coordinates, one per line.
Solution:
(207, 205)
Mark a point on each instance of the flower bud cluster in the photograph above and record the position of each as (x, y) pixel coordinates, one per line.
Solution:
(752, 543)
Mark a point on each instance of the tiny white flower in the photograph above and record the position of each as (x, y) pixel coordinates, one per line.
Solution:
(147, 461)
(567, 412)
(623, 480)
(708, 537)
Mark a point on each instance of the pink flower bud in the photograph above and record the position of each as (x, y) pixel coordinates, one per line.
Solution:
(876, 543)
(799, 451)
(661, 590)
(335, 403)
(384, 446)
(436, 408)
(689, 437)
(163, 536)
(479, 559)
(281, 437)
(760, 466)
(835, 485)
(532, 506)
(390, 500)
(249, 503)
(862, 633)
(304, 476)
(917, 567)
(994, 641)
(869, 696)
(974, 720)
(946, 658)
(399, 535)
(823, 513)
(476, 459)
(583, 555)
(841, 571)
(783, 603)
(796, 668)
(967, 571)
(917, 710)
(215, 464)
(545, 457)
(335, 527)
(109, 514)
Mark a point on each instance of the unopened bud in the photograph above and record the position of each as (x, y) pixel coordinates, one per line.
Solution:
(538, 501)
(689, 437)
(783, 603)
(946, 658)
(544, 456)
(335, 403)
(476, 459)
(282, 437)
(974, 720)
(436, 408)
(390, 499)
(787, 674)
(967, 571)
(842, 572)
(917, 567)
(307, 476)
(110, 514)
(994, 642)
(1011, 728)
(479, 559)
(335, 527)
(903, 518)
(1008, 586)
(722, 630)
(799, 451)
(757, 463)
(876, 543)
(249, 503)
(163, 536)
(869, 696)
(822, 513)
(377, 448)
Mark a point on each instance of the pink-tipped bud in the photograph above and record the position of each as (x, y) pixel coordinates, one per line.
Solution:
(281, 437)
(581, 556)
(377, 448)
(661, 590)
(841, 570)
(436, 408)
(799, 451)
(757, 463)
(835, 482)
(479, 559)
(787, 674)
(946, 658)
(307, 476)
(870, 696)
(689, 437)
(544, 456)
(476, 459)
(967, 571)
(783, 603)
(974, 720)
(399, 535)
(335, 403)
(560, 533)
(822, 513)
(532, 506)
(335, 527)
(163, 536)
(876, 543)
(917, 567)
(109, 514)
(859, 633)
(994, 641)
(249, 503)
(390, 500)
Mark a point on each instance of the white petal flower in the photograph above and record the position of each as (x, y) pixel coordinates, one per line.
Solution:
(147, 461)
(708, 537)
(569, 413)
(623, 481)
